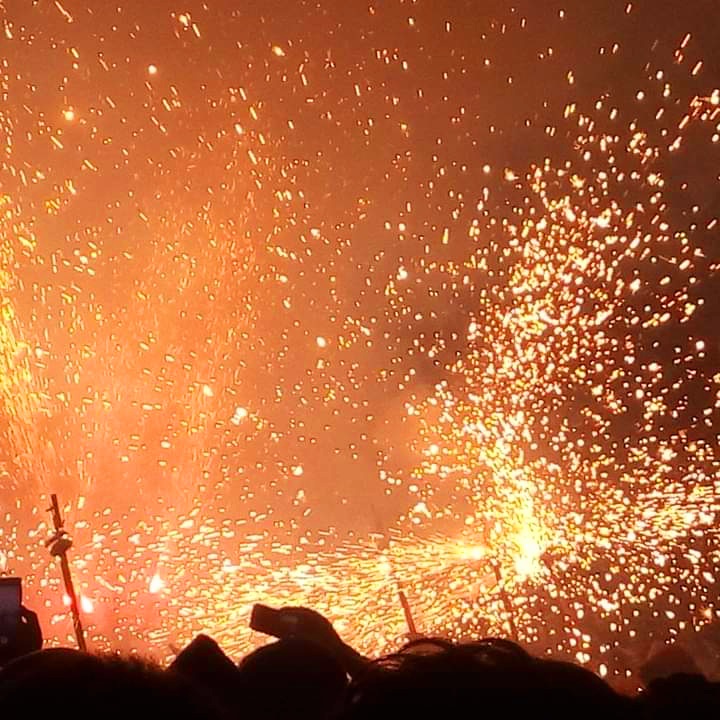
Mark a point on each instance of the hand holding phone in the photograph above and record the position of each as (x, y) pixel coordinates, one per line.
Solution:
(311, 625)
(10, 609)
(278, 623)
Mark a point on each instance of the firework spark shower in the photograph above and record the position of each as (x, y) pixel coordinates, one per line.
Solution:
(304, 303)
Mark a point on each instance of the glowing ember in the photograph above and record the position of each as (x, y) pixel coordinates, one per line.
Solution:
(156, 584)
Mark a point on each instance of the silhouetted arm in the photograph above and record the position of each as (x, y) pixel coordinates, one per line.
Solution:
(314, 626)
(30, 636)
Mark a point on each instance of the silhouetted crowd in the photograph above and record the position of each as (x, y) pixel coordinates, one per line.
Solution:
(309, 672)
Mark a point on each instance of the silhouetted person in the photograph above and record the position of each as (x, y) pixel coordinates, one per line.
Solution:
(493, 677)
(675, 697)
(204, 663)
(24, 637)
(66, 684)
(668, 660)
(302, 622)
(292, 679)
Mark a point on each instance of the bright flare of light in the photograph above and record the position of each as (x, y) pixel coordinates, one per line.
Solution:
(156, 584)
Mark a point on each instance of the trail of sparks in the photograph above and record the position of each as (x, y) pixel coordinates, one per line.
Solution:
(289, 322)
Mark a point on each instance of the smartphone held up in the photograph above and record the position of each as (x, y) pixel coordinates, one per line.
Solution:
(10, 609)
(278, 623)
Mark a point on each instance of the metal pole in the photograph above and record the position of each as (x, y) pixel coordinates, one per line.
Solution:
(59, 545)
(408, 615)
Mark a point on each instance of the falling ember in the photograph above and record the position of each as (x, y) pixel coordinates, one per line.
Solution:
(239, 415)
(156, 584)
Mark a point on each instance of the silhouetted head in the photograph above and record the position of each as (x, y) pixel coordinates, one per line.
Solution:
(682, 695)
(668, 660)
(489, 677)
(447, 681)
(291, 678)
(569, 690)
(71, 685)
(425, 646)
(204, 663)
